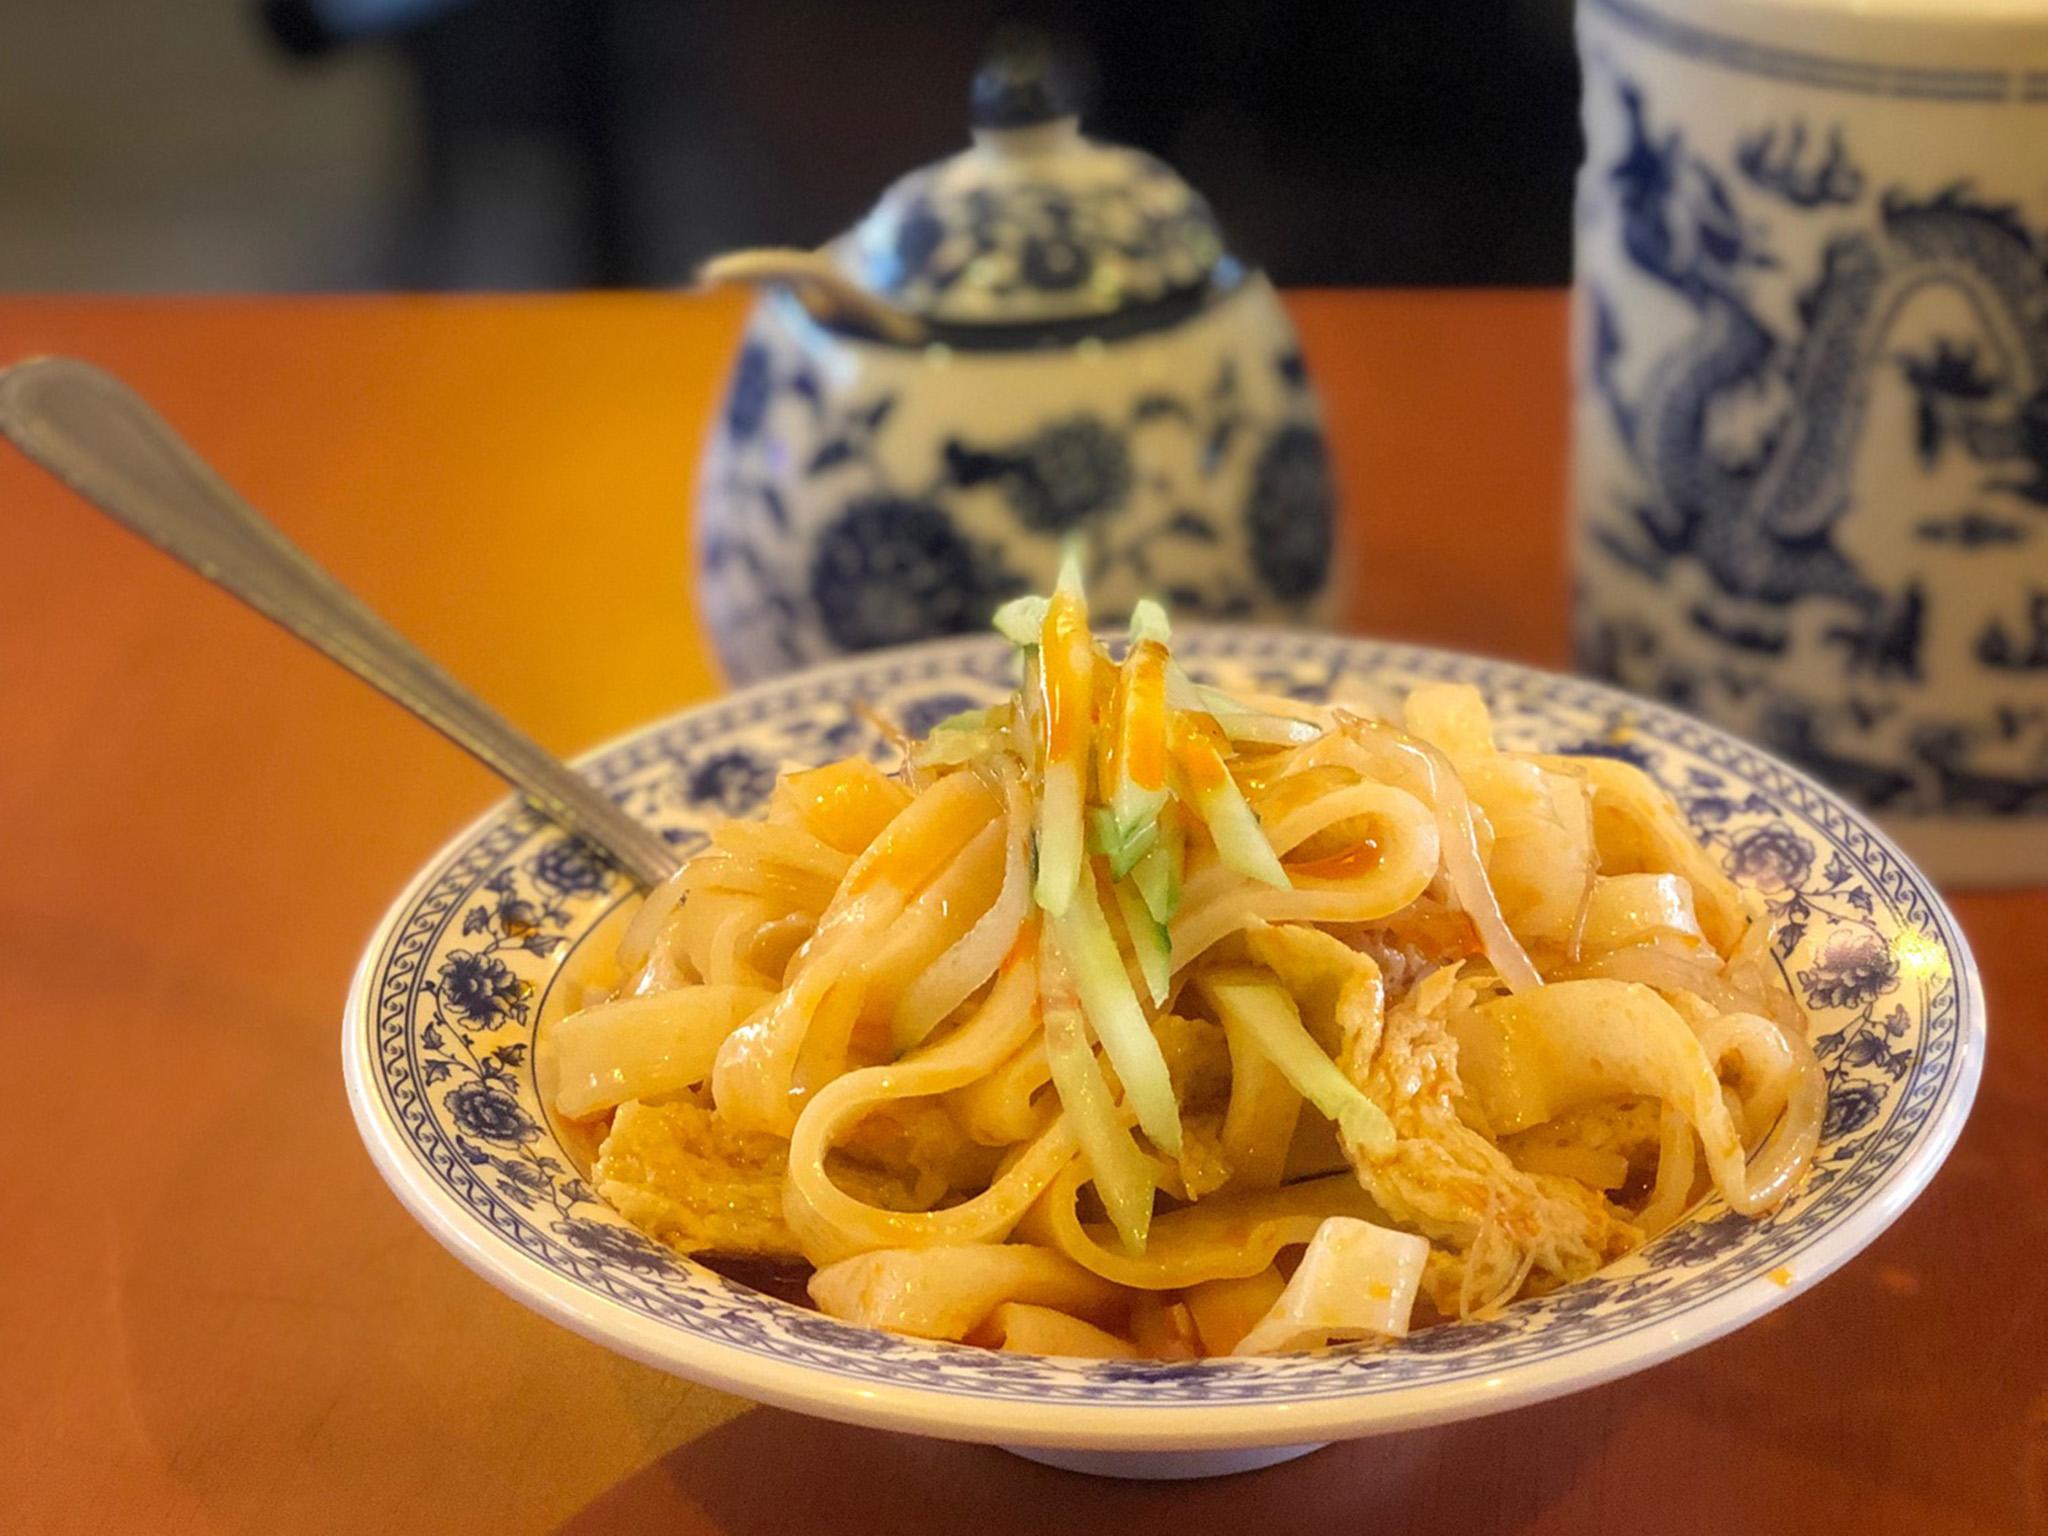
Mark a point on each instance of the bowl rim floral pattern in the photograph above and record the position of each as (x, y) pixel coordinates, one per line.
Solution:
(447, 1104)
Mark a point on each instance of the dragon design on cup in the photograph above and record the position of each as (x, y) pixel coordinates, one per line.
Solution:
(1762, 521)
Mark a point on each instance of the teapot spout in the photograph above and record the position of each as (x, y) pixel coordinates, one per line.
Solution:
(817, 283)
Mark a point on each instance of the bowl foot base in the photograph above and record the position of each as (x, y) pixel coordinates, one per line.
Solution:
(1161, 1466)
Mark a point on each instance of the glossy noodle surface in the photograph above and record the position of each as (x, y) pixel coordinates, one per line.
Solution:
(1128, 1017)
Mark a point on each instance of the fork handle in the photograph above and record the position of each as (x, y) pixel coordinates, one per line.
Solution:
(102, 440)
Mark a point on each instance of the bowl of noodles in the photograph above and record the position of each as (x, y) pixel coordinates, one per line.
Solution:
(1161, 1053)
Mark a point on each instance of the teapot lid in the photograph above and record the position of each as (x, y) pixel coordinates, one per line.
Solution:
(1034, 223)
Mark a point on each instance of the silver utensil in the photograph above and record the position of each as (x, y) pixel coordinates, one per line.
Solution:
(98, 436)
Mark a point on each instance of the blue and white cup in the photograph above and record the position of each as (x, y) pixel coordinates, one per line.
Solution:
(1811, 394)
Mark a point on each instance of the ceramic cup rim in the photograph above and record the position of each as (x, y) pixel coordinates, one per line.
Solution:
(1910, 36)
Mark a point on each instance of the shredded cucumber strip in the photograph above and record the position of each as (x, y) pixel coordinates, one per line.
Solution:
(1257, 1012)
(1151, 941)
(1066, 669)
(1021, 620)
(1122, 1174)
(1239, 721)
(1240, 840)
(1107, 838)
(1149, 622)
(1060, 836)
(1089, 948)
(1135, 807)
(1135, 819)
(1157, 873)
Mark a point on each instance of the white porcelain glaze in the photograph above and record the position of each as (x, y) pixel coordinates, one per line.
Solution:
(1032, 224)
(1163, 1466)
(1811, 425)
(1090, 362)
(859, 493)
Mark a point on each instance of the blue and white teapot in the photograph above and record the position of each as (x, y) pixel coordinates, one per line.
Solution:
(1040, 336)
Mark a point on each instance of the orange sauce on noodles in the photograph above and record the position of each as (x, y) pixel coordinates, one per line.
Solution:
(1067, 676)
(1194, 745)
(917, 845)
(845, 805)
(1141, 738)
(1361, 858)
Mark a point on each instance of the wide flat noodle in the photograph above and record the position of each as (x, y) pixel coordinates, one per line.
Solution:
(1224, 1238)
(952, 978)
(755, 1076)
(1356, 1281)
(1321, 1013)
(1007, 1105)
(1532, 1057)
(1017, 1327)
(642, 1047)
(1638, 829)
(1539, 857)
(945, 1292)
(832, 1224)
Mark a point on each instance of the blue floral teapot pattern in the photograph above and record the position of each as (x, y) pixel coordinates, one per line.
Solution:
(1040, 337)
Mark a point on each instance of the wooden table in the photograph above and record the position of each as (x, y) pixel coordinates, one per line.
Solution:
(213, 1317)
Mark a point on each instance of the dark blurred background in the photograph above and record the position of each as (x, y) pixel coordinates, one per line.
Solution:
(336, 144)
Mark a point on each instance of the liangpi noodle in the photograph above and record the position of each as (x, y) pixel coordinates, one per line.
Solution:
(1130, 1016)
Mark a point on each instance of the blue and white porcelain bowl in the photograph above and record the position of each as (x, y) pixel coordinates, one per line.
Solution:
(438, 1046)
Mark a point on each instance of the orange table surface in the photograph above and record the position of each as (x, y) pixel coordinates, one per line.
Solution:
(213, 1317)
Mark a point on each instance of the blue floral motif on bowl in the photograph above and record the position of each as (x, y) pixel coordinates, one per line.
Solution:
(448, 1004)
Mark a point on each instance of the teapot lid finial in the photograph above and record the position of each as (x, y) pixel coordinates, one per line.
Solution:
(1022, 82)
(1035, 224)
